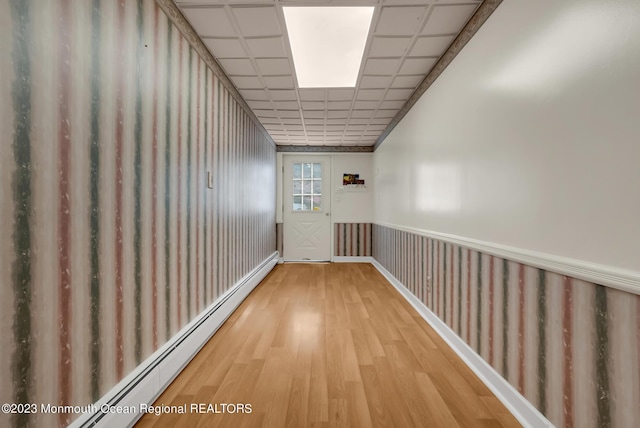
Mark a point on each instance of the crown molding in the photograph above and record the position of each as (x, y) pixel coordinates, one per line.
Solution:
(325, 149)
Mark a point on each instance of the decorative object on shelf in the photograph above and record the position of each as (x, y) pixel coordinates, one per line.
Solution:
(351, 179)
(352, 182)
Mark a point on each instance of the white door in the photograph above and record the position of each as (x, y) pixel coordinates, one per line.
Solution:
(307, 208)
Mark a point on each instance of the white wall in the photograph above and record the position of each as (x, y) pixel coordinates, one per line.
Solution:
(530, 138)
(351, 205)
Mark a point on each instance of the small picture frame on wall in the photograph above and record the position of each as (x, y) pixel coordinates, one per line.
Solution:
(348, 179)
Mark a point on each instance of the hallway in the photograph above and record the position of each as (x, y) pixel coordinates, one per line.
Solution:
(337, 346)
(155, 154)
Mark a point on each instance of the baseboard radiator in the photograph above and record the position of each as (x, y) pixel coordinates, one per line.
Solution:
(150, 379)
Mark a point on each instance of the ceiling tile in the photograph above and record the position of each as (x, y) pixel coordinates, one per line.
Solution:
(247, 39)
(408, 82)
(279, 82)
(361, 105)
(370, 94)
(392, 104)
(381, 66)
(398, 94)
(270, 47)
(370, 82)
(254, 94)
(270, 120)
(431, 46)
(379, 121)
(237, 67)
(313, 105)
(265, 113)
(247, 82)
(286, 105)
(312, 94)
(209, 21)
(386, 113)
(389, 46)
(273, 66)
(360, 120)
(417, 65)
(225, 48)
(340, 94)
(313, 114)
(282, 94)
(338, 114)
(339, 105)
(289, 113)
(448, 19)
(257, 21)
(400, 20)
(362, 114)
(260, 105)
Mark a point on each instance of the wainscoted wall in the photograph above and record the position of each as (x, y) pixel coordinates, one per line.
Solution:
(110, 240)
(352, 239)
(571, 347)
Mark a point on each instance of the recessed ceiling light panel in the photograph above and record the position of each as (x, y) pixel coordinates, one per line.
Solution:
(327, 44)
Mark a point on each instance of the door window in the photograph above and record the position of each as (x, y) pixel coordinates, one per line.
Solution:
(307, 186)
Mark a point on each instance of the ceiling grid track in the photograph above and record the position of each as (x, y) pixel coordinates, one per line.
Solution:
(410, 42)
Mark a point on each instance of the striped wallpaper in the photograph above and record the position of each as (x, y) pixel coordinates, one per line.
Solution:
(571, 347)
(352, 239)
(110, 240)
(280, 238)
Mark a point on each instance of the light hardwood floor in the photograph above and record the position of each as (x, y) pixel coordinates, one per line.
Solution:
(329, 345)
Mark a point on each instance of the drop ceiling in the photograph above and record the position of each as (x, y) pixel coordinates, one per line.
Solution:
(249, 40)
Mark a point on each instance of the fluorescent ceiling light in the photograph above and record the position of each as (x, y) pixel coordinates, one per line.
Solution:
(327, 44)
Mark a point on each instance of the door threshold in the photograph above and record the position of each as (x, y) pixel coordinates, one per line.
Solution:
(326, 262)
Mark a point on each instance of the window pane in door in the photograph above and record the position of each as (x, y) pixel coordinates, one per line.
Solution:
(307, 186)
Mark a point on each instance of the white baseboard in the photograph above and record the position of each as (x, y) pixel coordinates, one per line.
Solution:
(355, 259)
(521, 409)
(152, 377)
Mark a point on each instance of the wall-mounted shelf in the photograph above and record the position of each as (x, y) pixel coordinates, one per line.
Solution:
(352, 188)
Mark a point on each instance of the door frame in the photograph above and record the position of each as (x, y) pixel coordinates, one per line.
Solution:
(301, 156)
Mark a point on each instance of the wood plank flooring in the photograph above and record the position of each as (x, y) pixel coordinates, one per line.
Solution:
(329, 345)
